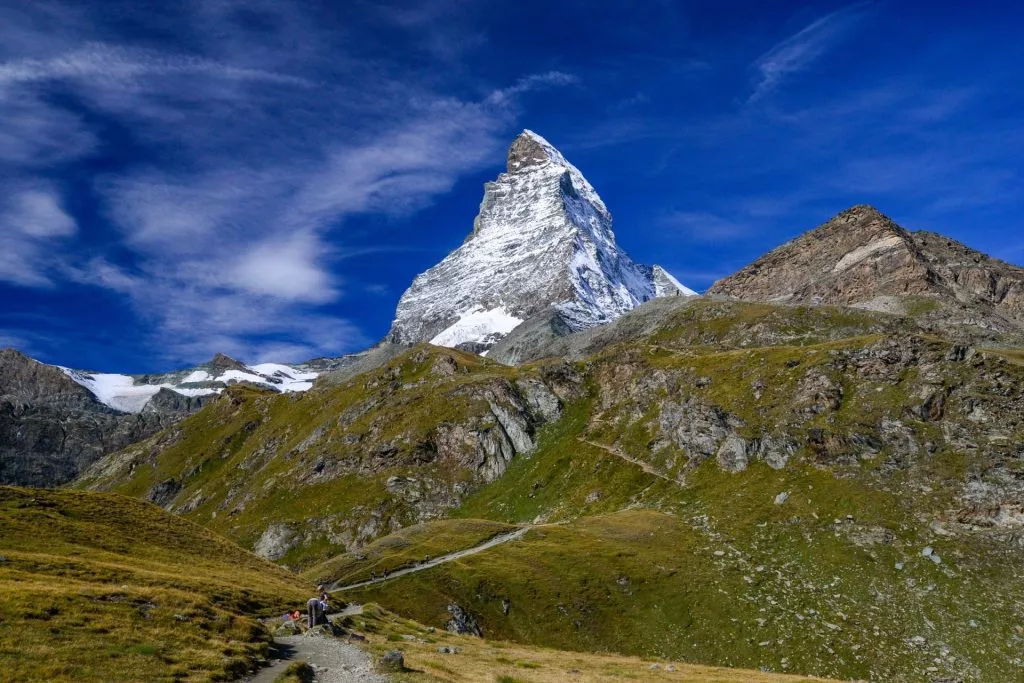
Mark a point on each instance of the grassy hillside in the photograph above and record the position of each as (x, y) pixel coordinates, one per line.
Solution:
(789, 595)
(99, 587)
(333, 467)
(831, 580)
(470, 660)
(406, 548)
(809, 490)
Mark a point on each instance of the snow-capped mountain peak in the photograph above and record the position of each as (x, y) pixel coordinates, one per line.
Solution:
(543, 238)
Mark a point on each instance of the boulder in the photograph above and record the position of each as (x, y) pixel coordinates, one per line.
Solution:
(391, 662)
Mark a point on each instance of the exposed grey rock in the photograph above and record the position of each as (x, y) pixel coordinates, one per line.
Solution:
(462, 622)
(163, 493)
(698, 429)
(732, 454)
(391, 661)
(862, 258)
(541, 400)
(288, 628)
(358, 363)
(277, 540)
(775, 451)
(52, 428)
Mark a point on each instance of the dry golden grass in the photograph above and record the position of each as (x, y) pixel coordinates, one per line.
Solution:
(481, 660)
(98, 587)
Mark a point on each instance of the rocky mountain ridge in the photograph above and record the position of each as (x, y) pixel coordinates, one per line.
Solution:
(55, 421)
(543, 239)
(861, 258)
(52, 427)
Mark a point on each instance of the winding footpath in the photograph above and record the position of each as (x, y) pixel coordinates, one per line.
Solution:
(442, 559)
(336, 661)
(646, 467)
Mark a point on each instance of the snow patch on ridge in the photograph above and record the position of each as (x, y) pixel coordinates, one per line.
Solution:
(284, 377)
(478, 326)
(121, 392)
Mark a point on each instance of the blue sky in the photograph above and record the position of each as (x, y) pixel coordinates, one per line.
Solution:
(264, 178)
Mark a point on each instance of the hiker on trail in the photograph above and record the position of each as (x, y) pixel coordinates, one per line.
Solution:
(386, 572)
(313, 609)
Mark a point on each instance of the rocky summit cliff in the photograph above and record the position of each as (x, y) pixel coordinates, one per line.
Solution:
(543, 238)
(861, 258)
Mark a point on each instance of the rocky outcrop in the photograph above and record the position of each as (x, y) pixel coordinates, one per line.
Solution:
(898, 402)
(862, 258)
(462, 622)
(543, 240)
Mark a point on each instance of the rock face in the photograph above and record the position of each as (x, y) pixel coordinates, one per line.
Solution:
(543, 239)
(52, 427)
(862, 258)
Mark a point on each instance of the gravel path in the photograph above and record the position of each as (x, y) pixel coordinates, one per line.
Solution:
(497, 540)
(334, 660)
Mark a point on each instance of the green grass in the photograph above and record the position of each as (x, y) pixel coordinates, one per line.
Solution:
(920, 305)
(490, 660)
(99, 587)
(406, 547)
(641, 548)
(324, 455)
(646, 583)
(563, 479)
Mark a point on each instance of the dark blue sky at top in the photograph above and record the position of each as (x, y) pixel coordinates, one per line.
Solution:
(265, 178)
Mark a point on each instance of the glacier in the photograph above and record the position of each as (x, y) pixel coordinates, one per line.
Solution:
(129, 394)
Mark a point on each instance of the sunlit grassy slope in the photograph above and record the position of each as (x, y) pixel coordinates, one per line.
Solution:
(100, 587)
(466, 659)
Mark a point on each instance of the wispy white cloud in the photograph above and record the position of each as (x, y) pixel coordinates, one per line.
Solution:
(119, 66)
(801, 49)
(532, 82)
(230, 231)
(34, 224)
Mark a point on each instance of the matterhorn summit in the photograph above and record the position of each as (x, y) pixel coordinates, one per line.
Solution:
(543, 239)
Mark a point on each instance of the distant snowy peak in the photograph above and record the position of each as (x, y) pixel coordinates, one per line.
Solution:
(666, 285)
(130, 394)
(543, 238)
